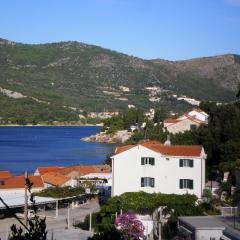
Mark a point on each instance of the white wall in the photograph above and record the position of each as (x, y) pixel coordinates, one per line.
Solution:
(199, 115)
(182, 126)
(127, 173)
(207, 234)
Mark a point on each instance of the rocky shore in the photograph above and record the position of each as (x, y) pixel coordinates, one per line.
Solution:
(102, 137)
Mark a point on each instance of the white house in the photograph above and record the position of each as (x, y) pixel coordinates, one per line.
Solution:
(186, 122)
(154, 167)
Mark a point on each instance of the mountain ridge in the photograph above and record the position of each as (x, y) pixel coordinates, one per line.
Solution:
(91, 78)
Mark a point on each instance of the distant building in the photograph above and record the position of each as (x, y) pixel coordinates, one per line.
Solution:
(154, 167)
(54, 176)
(98, 179)
(189, 121)
(55, 179)
(16, 184)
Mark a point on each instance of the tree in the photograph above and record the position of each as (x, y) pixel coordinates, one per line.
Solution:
(160, 114)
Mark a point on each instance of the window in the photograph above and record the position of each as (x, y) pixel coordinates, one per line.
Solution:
(186, 183)
(185, 162)
(147, 160)
(147, 182)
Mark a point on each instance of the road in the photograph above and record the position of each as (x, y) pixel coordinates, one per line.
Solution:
(57, 227)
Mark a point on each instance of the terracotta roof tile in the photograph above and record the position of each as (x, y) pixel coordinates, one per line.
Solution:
(43, 170)
(123, 148)
(5, 174)
(171, 120)
(172, 150)
(85, 169)
(55, 178)
(19, 182)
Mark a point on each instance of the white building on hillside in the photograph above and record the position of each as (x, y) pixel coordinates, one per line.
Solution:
(189, 121)
(154, 167)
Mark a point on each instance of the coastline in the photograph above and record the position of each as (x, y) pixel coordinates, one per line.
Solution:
(52, 125)
(102, 137)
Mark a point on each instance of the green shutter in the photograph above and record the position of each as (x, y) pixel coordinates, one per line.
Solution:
(152, 182)
(152, 161)
(180, 162)
(181, 183)
(190, 163)
(190, 184)
(142, 182)
(142, 161)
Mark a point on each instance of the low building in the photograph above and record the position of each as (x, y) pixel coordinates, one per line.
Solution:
(54, 176)
(16, 184)
(55, 179)
(154, 167)
(207, 228)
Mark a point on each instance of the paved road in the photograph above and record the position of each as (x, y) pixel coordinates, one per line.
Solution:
(57, 227)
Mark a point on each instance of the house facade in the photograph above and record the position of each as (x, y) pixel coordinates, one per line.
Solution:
(154, 167)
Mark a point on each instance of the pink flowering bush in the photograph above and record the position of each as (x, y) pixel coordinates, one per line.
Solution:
(129, 226)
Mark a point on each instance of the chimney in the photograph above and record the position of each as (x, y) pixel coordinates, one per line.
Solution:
(167, 142)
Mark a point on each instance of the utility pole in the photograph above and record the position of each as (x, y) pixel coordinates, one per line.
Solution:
(90, 222)
(68, 217)
(26, 200)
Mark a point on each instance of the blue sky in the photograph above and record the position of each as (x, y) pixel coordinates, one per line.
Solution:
(168, 29)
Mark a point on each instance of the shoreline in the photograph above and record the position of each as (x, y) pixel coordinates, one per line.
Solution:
(102, 137)
(57, 125)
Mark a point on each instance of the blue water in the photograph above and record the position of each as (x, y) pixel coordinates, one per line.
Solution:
(26, 148)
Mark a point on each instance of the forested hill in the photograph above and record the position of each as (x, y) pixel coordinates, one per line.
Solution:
(69, 75)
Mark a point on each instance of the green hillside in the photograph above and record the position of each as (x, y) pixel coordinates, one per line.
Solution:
(70, 75)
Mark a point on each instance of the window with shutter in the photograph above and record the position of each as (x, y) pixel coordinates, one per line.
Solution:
(186, 183)
(147, 160)
(147, 182)
(185, 162)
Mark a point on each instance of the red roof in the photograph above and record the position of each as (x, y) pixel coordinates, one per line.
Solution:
(86, 169)
(81, 169)
(55, 178)
(123, 148)
(43, 170)
(19, 182)
(171, 120)
(5, 174)
(168, 150)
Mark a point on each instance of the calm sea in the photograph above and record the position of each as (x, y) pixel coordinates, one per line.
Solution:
(26, 148)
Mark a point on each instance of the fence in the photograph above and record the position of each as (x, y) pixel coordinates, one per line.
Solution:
(229, 211)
